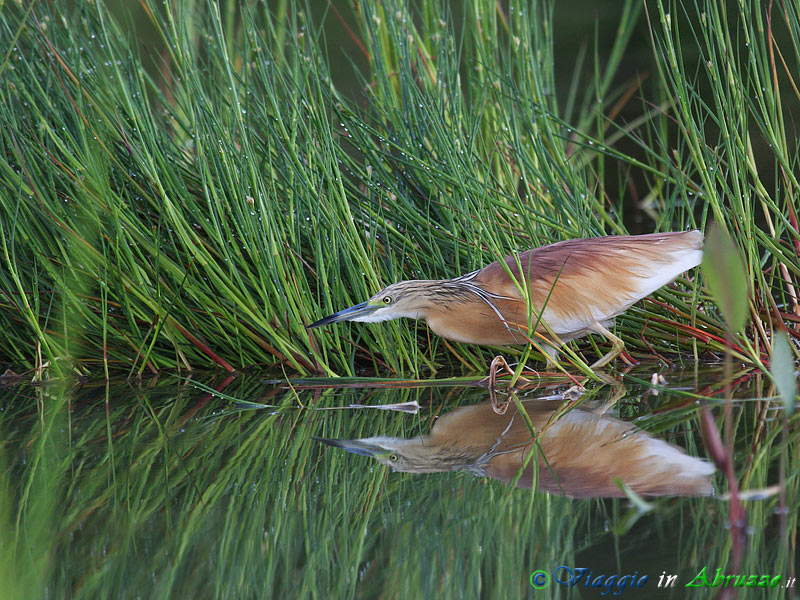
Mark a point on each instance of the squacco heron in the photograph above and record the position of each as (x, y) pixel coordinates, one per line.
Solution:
(577, 453)
(576, 287)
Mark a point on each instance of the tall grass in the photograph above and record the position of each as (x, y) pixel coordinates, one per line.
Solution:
(198, 215)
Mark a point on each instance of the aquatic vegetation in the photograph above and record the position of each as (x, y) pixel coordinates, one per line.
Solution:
(194, 203)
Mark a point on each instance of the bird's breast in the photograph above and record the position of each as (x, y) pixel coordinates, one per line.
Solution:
(475, 324)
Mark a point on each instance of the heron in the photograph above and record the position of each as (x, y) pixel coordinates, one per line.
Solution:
(562, 291)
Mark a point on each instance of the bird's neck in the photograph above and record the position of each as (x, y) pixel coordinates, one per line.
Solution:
(430, 296)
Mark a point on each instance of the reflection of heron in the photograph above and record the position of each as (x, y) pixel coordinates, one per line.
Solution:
(578, 286)
(579, 453)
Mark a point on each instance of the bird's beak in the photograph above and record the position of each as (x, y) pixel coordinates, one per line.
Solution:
(348, 314)
(354, 446)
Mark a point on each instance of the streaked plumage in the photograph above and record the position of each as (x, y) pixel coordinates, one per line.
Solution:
(580, 454)
(588, 281)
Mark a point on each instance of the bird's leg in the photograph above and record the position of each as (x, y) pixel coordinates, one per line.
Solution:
(550, 354)
(618, 391)
(497, 363)
(617, 346)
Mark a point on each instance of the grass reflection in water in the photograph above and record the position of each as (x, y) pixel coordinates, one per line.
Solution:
(165, 490)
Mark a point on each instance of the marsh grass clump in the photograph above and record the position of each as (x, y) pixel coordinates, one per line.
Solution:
(196, 214)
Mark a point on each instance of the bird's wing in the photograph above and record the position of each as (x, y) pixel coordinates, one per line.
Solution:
(591, 280)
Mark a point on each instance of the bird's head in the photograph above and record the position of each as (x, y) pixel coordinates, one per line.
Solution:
(410, 455)
(402, 299)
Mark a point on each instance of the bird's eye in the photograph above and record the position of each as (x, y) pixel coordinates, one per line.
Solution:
(393, 457)
(387, 299)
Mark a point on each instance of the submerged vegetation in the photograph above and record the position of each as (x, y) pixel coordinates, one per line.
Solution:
(198, 213)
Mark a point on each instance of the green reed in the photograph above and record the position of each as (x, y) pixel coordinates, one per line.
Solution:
(195, 206)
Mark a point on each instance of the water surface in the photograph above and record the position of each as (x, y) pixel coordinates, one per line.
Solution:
(216, 488)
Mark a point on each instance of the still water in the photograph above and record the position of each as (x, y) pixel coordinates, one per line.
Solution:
(217, 488)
